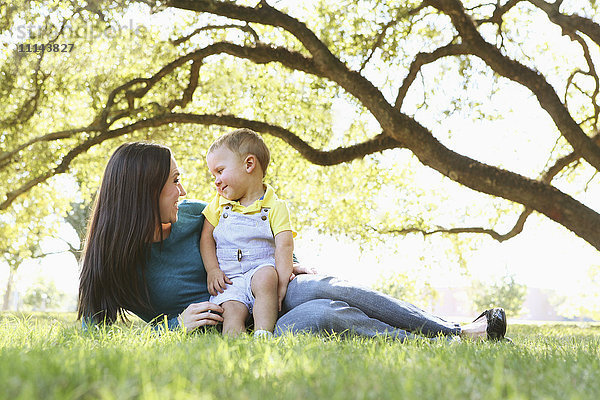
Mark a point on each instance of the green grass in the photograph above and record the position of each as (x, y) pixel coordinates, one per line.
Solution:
(48, 356)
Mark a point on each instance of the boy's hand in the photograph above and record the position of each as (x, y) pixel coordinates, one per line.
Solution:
(217, 281)
(281, 291)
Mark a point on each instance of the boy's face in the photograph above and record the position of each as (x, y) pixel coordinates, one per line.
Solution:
(229, 172)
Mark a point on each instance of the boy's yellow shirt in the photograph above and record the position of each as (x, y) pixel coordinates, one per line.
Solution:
(279, 215)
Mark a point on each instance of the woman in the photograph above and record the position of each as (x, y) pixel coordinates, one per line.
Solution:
(142, 255)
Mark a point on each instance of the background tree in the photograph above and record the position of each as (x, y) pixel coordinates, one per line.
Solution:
(22, 230)
(42, 296)
(77, 218)
(281, 72)
(585, 303)
(403, 287)
(506, 293)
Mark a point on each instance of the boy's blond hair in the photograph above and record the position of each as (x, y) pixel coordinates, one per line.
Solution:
(244, 142)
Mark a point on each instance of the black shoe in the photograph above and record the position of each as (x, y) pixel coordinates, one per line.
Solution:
(496, 323)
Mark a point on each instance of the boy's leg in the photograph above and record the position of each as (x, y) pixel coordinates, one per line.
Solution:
(264, 288)
(234, 318)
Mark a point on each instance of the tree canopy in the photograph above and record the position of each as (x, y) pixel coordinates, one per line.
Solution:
(398, 72)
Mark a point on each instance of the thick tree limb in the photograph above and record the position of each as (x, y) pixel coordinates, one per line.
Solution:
(547, 177)
(331, 157)
(517, 72)
(569, 23)
(327, 65)
(4, 157)
(263, 14)
(12, 195)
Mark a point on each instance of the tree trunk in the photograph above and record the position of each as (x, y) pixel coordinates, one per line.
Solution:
(9, 287)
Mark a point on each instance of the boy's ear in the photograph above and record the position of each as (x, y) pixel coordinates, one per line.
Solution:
(250, 163)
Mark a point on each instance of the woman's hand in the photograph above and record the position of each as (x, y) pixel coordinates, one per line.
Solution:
(299, 269)
(200, 314)
(217, 281)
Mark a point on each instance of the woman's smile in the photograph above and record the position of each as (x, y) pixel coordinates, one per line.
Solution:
(172, 191)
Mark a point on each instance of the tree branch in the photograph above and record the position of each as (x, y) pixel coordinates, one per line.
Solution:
(377, 42)
(499, 12)
(547, 177)
(591, 72)
(246, 28)
(188, 92)
(454, 231)
(331, 157)
(422, 59)
(7, 155)
(569, 23)
(323, 62)
(259, 53)
(517, 72)
(263, 14)
(29, 107)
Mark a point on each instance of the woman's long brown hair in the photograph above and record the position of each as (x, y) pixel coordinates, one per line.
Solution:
(123, 223)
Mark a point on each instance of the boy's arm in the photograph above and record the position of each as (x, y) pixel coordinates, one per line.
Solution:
(216, 280)
(284, 248)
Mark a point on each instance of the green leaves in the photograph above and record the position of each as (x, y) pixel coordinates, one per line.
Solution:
(126, 68)
(506, 293)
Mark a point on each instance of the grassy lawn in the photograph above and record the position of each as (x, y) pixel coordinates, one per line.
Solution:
(48, 356)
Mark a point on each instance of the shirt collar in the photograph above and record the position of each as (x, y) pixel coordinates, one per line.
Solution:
(267, 201)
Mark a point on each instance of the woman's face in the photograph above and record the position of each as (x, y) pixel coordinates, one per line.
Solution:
(170, 194)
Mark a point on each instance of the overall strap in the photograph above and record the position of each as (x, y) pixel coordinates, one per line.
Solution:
(225, 211)
(264, 213)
